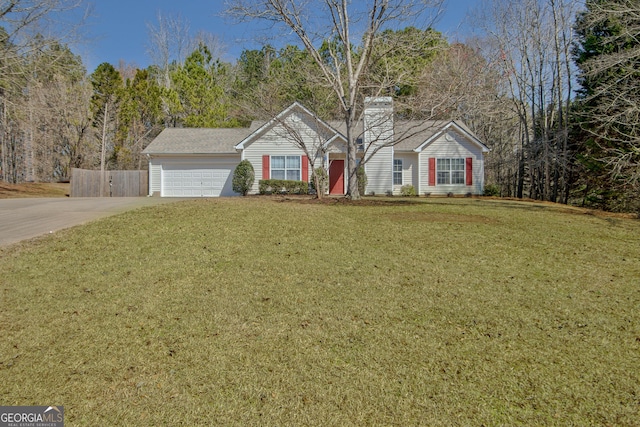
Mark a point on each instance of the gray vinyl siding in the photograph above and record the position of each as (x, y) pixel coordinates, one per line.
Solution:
(155, 177)
(275, 142)
(409, 171)
(378, 140)
(460, 147)
(379, 170)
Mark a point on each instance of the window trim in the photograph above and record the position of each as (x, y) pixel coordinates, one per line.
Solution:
(450, 171)
(397, 173)
(286, 169)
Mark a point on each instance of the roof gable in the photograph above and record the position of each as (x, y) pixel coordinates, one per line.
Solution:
(417, 139)
(281, 118)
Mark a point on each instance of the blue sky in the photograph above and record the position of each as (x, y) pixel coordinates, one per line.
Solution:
(118, 28)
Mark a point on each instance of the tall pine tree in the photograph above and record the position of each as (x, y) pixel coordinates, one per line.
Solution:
(107, 92)
(198, 91)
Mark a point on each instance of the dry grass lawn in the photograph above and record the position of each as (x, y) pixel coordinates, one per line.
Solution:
(264, 312)
(35, 189)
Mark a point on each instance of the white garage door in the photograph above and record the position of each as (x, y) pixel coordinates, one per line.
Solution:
(192, 181)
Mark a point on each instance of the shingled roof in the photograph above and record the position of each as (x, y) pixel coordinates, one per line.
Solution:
(198, 140)
(410, 134)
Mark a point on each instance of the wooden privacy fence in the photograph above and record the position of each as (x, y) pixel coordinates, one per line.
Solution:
(86, 183)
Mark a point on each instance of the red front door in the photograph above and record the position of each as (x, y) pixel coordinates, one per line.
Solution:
(336, 177)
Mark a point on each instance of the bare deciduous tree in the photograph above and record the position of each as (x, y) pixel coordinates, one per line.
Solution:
(466, 79)
(64, 129)
(531, 42)
(211, 41)
(27, 28)
(340, 36)
(168, 41)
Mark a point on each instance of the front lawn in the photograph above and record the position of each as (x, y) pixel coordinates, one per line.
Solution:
(255, 311)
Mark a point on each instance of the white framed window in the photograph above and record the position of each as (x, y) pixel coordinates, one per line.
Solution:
(450, 171)
(397, 171)
(286, 168)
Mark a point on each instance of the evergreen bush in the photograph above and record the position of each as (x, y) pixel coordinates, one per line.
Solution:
(492, 190)
(281, 186)
(243, 177)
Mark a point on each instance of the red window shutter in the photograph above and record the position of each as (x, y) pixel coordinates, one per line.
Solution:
(265, 167)
(305, 168)
(432, 171)
(469, 170)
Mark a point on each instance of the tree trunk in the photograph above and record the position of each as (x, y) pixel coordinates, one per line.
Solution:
(3, 141)
(521, 162)
(352, 165)
(103, 149)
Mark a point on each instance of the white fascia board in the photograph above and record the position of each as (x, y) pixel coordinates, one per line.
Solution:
(241, 144)
(337, 135)
(471, 136)
(429, 141)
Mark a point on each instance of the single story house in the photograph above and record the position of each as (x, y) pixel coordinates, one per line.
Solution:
(435, 157)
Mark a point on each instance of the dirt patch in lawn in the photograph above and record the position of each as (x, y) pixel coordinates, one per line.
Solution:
(33, 189)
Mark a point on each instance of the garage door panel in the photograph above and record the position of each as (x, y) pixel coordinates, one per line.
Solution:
(183, 180)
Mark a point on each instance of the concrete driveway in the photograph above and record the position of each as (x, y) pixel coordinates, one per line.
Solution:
(22, 219)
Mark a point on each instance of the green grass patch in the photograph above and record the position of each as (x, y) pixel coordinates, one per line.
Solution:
(251, 311)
